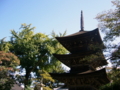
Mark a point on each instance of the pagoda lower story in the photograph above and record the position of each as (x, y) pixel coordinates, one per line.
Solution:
(85, 80)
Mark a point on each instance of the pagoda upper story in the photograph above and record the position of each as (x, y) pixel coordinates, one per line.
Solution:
(80, 41)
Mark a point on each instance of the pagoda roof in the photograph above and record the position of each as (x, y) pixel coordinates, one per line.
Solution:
(79, 41)
(72, 60)
(93, 78)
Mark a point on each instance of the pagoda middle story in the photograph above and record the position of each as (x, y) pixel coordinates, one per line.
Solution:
(85, 56)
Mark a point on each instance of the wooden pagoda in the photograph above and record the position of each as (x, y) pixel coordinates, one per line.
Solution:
(85, 56)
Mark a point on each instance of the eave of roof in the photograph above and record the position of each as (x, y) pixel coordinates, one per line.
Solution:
(77, 59)
(83, 74)
(78, 34)
(92, 78)
(80, 40)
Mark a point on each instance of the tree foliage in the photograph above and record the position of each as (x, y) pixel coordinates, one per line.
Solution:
(109, 21)
(43, 80)
(111, 86)
(4, 46)
(8, 63)
(35, 51)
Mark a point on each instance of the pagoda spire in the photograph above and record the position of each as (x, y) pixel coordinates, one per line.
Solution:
(82, 22)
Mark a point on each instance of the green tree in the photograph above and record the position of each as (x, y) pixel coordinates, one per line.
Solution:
(111, 86)
(4, 46)
(34, 51)
(42, 79)
(109, 23)
(8, 63)
(56, 49)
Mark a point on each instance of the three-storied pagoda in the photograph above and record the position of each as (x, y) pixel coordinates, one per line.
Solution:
(85, 56)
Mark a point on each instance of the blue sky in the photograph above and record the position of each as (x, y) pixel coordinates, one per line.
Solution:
(48, 15)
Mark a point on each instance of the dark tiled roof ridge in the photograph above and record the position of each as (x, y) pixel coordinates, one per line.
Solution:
(78, 33)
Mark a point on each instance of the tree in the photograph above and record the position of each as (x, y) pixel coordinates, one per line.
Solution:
(4, 46)
(8, 63)
(109, 23)
(34, 51)
(43, 78)
(56, 49)
(111, 86)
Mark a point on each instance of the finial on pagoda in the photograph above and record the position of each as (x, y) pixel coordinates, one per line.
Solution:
(82, 22)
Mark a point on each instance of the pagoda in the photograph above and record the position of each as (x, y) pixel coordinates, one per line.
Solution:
(85, 57)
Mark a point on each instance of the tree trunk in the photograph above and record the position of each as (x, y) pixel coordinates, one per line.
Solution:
(27, 78)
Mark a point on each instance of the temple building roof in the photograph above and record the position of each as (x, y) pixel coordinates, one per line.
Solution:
(92, 78)
(79, 42)
(78, 59)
